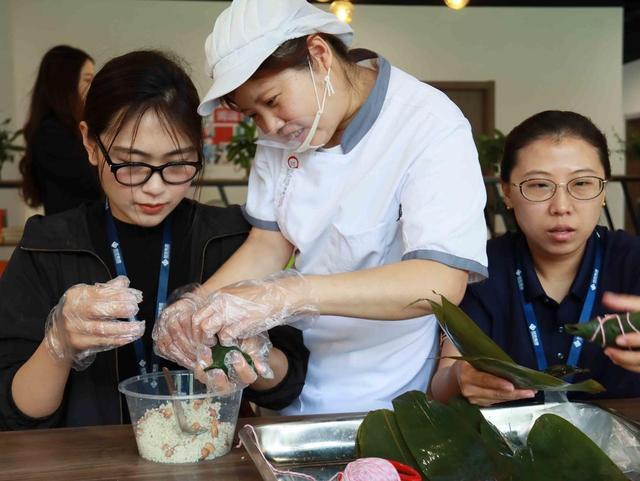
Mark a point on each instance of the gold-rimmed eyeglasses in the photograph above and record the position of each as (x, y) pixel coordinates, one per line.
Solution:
(581, 188)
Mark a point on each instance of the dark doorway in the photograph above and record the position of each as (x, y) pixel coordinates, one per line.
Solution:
(475, 99)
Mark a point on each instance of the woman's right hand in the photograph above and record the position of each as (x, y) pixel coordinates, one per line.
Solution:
(173, 333)
(240, 373)
(484, 389)
(85, 321)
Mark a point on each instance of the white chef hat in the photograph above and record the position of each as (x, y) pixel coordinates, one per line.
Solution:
(247, 32)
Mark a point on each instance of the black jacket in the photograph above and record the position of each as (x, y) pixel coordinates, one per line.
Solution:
(61, 168)
(56, 253)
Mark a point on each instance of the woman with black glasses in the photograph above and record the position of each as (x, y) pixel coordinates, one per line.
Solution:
(557, 269)
(80, 295)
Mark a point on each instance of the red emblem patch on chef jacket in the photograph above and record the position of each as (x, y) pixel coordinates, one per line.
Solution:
(293, 162)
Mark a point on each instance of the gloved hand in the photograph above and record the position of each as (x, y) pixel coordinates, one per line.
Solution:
(172, 333)
(248, 308)
(85, 321)
(239, 372)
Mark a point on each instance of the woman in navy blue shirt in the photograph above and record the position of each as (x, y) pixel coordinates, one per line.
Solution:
(556, 269)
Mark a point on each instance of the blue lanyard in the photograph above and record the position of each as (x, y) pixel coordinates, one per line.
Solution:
(585, 314)
(163, 281)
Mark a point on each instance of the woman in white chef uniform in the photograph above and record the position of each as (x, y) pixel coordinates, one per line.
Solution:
(370, 176)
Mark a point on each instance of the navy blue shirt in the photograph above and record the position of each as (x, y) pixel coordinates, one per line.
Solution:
(495, 306)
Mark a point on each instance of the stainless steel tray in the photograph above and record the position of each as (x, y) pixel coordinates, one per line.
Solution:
(323, 446)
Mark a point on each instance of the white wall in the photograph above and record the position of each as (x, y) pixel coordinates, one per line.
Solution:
(631, 90)
(540, 58)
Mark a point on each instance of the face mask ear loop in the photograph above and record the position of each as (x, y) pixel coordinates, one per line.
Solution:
(328, 85)
(315, 88)
(328, 91)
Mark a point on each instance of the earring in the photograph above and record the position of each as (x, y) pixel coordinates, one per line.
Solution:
(604, 202)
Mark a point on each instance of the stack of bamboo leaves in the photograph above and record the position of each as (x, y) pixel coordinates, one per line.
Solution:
(455, 442)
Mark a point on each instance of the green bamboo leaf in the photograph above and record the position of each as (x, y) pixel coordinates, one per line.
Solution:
(218, 354)
(379, 437)
(606, 333)
(485, 355)
(524, 467)
(488, 432)
(580, 459)
(524, 378)
(468, 338)
(444, 445)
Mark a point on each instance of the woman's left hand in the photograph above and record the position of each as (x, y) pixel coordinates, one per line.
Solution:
(622, 356)
(248, 308)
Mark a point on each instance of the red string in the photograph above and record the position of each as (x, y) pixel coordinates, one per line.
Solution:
(407, 473)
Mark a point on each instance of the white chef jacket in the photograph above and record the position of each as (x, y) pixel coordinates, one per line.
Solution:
(405, 183)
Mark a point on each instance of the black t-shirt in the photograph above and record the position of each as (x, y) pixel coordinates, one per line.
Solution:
(141, 249)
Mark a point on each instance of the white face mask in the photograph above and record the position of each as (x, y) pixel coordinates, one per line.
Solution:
(281, 140)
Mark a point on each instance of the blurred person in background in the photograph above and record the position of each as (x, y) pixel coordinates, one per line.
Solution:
(55, 170)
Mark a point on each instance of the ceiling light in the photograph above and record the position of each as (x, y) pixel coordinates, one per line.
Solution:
(343, 9)
(456, 4)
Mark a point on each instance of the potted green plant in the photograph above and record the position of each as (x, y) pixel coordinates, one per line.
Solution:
(490, 149)
(242, 148)
(8, 149)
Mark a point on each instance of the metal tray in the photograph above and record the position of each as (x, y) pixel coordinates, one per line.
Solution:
(323, 446)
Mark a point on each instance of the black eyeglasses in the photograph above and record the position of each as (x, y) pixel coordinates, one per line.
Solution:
(581, 188)
(133, 174)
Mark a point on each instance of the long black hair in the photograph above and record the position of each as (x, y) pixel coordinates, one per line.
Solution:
(55, 92)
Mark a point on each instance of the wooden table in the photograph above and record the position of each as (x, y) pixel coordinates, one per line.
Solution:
(109, 453)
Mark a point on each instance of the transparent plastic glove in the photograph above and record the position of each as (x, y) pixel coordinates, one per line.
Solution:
(248, 308)
(240, 373)
(172, 332)
(85, 321)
